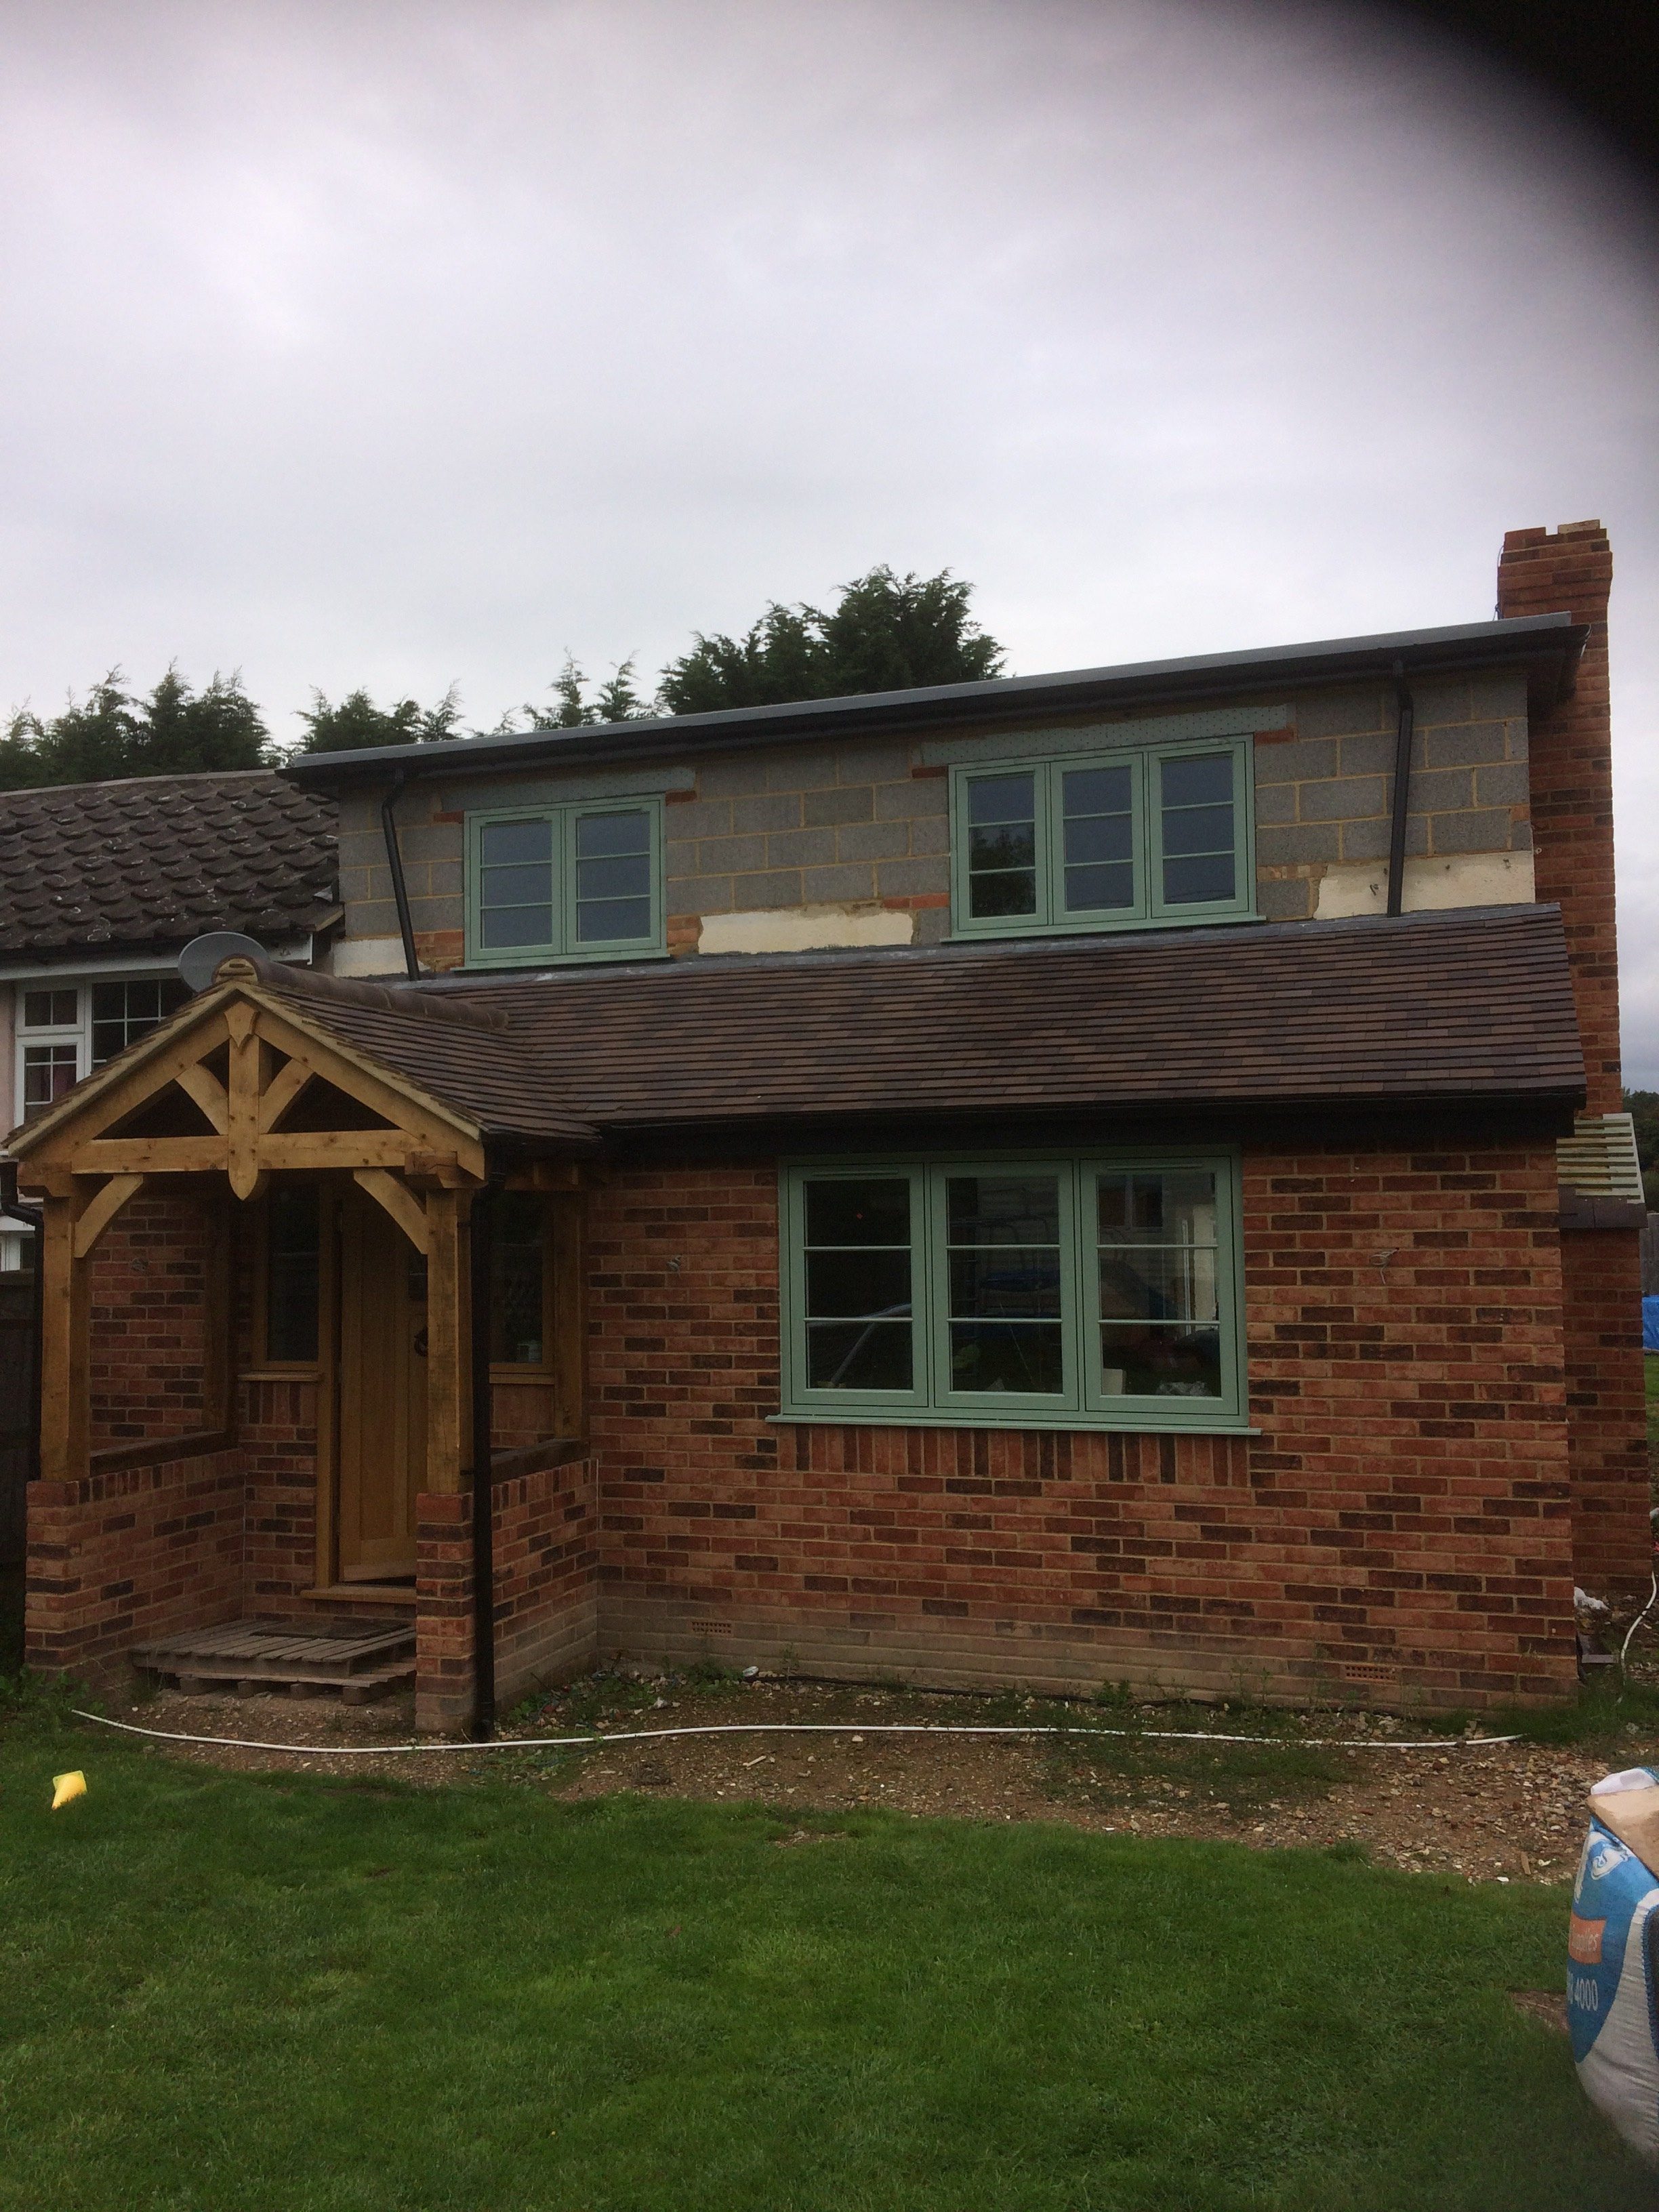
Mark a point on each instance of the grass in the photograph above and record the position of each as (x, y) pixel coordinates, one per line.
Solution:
(222, 1993)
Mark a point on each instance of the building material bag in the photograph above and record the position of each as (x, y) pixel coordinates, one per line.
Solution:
(1613, 1958)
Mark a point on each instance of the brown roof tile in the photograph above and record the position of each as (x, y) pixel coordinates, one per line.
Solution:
(1473, 1005)
(153, 861)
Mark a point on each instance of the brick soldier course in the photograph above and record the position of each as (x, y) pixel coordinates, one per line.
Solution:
(1444, 1424)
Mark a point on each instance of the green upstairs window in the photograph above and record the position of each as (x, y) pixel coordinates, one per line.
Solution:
(572, 883)
(1064, 1292)
(1112, 841)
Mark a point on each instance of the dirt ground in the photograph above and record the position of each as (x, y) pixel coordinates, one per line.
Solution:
(1497, 1812)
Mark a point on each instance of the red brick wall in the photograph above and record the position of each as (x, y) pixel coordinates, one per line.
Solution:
(1404, 1513)
(546, 1598)
(148, 1317)
(1607, 1415)
(1570, 571)
(122, 1558)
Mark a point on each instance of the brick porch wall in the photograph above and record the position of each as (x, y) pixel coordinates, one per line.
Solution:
(1400, 1528)
(122, 1558)
(546, 1598)
(148, 1318)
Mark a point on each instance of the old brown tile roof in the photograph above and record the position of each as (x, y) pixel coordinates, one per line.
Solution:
(468, 1056)
(152, 861)
(1473, 1006)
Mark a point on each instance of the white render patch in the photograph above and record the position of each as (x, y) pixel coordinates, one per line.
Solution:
(1354, 887)
(806, 928)
(366, 955)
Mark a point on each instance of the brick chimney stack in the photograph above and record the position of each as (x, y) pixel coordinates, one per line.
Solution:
(1570, 570)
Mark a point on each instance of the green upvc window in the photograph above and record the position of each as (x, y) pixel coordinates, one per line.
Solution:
(1059, 1292)
(1112, 841)
(582, 882)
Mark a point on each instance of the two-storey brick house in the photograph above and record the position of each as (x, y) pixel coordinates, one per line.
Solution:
(1051, 1180)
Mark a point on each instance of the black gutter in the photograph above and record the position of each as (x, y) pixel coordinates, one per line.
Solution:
(395, 862)
(481, 1258)
(1401, 794)
(1552, 641)
(36, 1217)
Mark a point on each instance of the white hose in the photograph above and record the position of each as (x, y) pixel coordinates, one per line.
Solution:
(801, 1728)
(1653, 1599)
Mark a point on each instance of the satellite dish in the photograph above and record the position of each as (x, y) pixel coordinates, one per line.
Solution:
(199, 961)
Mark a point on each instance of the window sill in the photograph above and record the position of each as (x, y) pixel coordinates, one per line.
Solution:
(1144, 922)
(1218, 1425)
(479, 963)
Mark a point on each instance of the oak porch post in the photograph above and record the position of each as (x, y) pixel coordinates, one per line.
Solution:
(65, 1392)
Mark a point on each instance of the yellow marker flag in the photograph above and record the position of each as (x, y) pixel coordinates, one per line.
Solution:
(67, 1787)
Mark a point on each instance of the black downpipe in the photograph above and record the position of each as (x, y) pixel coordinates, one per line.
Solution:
(484, 1498)
(395, 862)
(36, 1217)
(1402, 789)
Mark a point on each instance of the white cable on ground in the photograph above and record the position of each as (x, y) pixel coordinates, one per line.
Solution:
(804, 1727)
(1653, 1599)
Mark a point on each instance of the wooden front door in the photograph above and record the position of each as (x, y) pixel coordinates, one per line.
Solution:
(382, 1383)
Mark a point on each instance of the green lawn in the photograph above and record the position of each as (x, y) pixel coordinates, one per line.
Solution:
(219, 1993)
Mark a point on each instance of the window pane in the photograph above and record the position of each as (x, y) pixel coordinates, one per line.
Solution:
(859, 1355)
(518, 1251)
(1027, 1356)
(1099, 837)
(1198, 829)
(858, 1278)
(864, 1284)
(291, 1267)
(506, 842)
(858, 1210)
(627, 876)
(510, 926)
(1092, 890)
(1003, 1209)
(1139, 1360)
(1006, 1281)
(613, 922)
(1002, 799)
(1003, 1238)
(1203, 780)
(524, 886)
(1002, 845)
(123, 1013)
(1160, 1283)
(598, 835)
(48, 1073)
(1190, 883)
(50, 1010)
(1012, 893)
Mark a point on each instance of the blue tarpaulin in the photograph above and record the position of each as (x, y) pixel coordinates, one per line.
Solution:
(1650, 1324)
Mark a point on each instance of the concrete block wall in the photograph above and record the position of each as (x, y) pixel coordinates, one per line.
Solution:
(1325, 798)
(856, 837)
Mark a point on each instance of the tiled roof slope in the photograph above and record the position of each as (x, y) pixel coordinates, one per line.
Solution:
(153, 861)
(466, 1056)
(1473, 1006)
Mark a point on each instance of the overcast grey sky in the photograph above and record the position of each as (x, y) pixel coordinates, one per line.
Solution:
(414, 340)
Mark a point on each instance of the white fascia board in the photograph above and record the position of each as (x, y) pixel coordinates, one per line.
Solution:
(83, 967)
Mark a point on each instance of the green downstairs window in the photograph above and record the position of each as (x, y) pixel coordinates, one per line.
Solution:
(1107, 842)
(1066, 1292)
(564, 883)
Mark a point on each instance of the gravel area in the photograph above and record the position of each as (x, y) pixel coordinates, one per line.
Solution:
(1513, 1812)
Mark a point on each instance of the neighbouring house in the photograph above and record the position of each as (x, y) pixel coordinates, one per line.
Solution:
(102, 885)
(1109, 1176)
